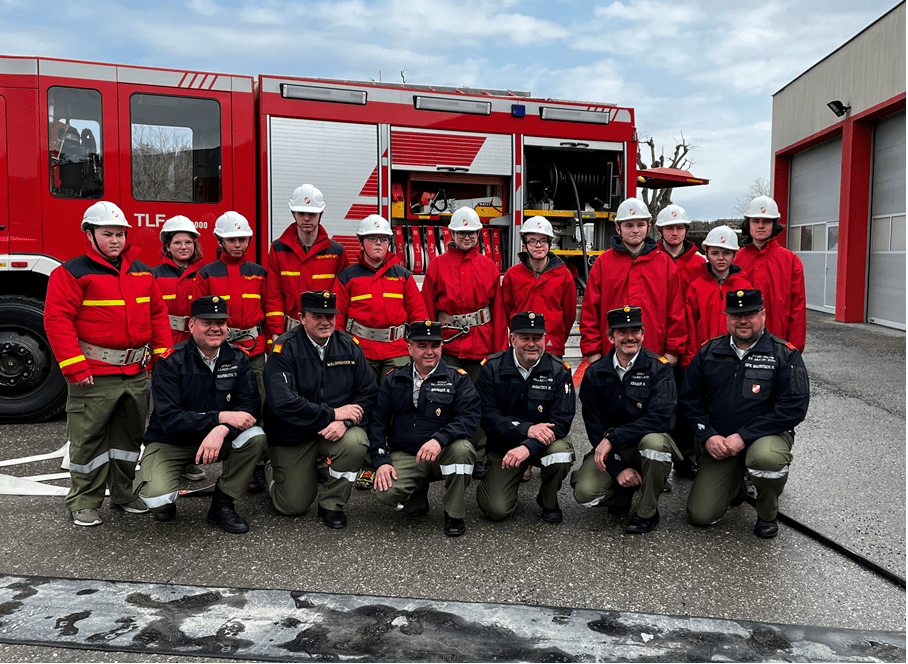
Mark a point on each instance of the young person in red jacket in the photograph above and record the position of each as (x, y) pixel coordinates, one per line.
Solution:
(705, 297)
(775, 271)
(302, 259)
(181, 258)
(462, 287)
(672, 223)
(105, 321)
(377, 296)
(637, 272)
(541, 282)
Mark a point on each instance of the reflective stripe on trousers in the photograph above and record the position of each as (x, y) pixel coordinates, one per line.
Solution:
(101, 459)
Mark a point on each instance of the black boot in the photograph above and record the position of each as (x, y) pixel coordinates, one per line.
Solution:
(222, 513)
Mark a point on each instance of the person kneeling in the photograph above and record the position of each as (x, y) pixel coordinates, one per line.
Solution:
(205, 407)
(425, 415)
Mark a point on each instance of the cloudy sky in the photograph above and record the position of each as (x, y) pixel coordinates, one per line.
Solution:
(704, 69)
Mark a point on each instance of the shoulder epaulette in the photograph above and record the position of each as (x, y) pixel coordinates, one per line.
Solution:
(167, 353)
(791, 345)
(461, 371)
(245, 352)
(355, 340)
(567, 366)
(484, 360)
(277, 348)
(663, 360)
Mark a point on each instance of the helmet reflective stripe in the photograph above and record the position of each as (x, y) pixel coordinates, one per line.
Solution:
(232, 224)
(178, 224)
(632, 208)
(307, 198)
(465, 219)
(104, 213)
(672, 214)
(722, 236)
(539, 225)
(374, 225)
(762, 207)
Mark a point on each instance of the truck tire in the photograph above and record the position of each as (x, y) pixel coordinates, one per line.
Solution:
(32, 387)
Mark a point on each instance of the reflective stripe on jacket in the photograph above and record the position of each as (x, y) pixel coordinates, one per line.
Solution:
(242, 284)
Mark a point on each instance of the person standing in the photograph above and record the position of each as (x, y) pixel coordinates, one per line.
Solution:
(528, 404)
(181, 258)
(672, 223)
(775, 271)
(629, 401)
(637, 272)
(743, 394)
(106, 323)
(462, 288)
(205, 408)
(425, 414)
(302, 259)
(542, 283)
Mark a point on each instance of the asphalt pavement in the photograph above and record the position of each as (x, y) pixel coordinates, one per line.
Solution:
(847, 481)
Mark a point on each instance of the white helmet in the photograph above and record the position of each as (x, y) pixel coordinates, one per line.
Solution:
(232, 224)
(178, 224)
(104, 213)
(307, 198)
(465, 219)
(762, 207)
(632, 208)
(539, 225)
(374, 224)
(672, 214)
(723, 237)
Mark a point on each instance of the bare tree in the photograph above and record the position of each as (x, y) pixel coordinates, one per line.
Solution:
(759, 187)
(161, 164)
(658, 199)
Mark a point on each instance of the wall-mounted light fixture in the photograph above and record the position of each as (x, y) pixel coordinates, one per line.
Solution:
(838, 108)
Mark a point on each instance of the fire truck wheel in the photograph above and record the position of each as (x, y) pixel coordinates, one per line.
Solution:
(32, 388)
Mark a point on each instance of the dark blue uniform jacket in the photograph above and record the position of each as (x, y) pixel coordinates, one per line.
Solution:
(188, 396)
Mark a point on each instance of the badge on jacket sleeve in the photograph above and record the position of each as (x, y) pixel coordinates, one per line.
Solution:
(438, 412)
(755, 389)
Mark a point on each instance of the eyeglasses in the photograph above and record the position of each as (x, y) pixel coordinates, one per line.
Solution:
(466, 233)
(378, 239)
(532, 242)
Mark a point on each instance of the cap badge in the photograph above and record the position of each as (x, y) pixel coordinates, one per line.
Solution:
(762, 209)
(428, 323)
(674, 214)
(306, 200)
(722, 239)
(326, 295)
(532, 316)
(215, 299)
(740, 293)
(632, 212)
(627, 309)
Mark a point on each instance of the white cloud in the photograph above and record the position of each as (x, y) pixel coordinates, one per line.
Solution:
(203, 7)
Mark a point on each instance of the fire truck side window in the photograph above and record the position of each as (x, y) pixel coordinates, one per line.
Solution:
(176, 148)
(74, 141)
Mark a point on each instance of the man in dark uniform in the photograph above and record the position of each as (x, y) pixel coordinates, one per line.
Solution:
(629, 399)
(743, 395)
(318, 389)
(205, 407)
(425, 415)
(528, 405)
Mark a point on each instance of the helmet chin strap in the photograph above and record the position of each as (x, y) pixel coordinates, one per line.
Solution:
(97, 246)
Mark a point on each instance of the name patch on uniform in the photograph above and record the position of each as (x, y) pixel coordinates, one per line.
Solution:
(394, 278)
(638, 382)
(338, 363)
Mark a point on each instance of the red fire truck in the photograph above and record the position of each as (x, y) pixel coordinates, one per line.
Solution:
(161, 142)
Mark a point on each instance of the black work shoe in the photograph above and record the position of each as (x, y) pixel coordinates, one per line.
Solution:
(686, 469)
(166, 514)
(222, 513)
(257, 483)
(766, 529)
(332, 518)
(741, 496)
(478, 469)
(667, 487)
(637, 524)
(553, 515)
(454, 527)
(323, 474)
(624, 506)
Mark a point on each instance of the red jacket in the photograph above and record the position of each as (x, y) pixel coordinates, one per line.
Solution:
(705, 307)
(176, 286)
(779, 274)
(242, 284)
(461, 283)
(381, 298)
(688, 263)
(89, 299)
(650, 282)
(553, 294)
(291, 272)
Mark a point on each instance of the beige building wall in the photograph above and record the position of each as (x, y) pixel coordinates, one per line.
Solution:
(865, 71)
